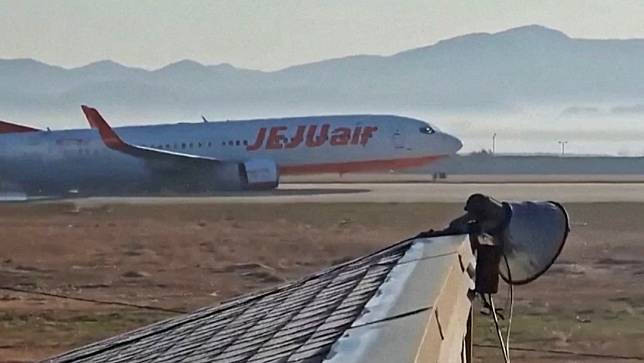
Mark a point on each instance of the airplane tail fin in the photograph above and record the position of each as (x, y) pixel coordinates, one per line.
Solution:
(96, 121)
(8, 127)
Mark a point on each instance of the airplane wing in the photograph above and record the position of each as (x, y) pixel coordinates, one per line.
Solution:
(114, 142)
(8, 127)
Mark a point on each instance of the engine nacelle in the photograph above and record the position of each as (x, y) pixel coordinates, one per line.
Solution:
(259, 174)
(254, 174)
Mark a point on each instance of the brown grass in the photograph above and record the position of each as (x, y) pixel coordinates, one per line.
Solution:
(186, 256)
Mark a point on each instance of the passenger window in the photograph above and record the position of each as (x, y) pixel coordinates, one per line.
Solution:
(230, 143)
(245, 142)
(183, 145)
(237, 142)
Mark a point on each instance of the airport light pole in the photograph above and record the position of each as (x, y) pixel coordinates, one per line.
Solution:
(563, 146)
(494, 143)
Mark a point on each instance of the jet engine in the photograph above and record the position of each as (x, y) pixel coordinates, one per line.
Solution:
(257, 174)
(254, 174)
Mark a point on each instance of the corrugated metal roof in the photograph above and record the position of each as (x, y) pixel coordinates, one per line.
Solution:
(420, 311)
(296, 322)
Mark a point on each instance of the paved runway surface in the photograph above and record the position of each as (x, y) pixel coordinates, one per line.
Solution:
(406, 193)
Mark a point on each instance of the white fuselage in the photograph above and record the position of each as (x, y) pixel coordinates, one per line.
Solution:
(58, 161)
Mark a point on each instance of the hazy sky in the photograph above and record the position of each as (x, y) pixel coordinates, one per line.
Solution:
(267, 35)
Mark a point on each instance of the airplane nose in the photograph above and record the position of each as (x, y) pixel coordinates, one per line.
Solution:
(452, 143)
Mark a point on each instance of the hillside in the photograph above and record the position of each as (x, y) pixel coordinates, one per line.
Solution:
(501, 71)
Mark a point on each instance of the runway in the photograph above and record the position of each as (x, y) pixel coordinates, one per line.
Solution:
(404, 193)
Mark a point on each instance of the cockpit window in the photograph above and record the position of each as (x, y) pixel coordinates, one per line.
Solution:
(427, 130)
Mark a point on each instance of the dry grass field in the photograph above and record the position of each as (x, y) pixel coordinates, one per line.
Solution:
(185, 256)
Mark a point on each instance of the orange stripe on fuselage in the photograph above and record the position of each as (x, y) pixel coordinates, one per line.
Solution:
(358, 166)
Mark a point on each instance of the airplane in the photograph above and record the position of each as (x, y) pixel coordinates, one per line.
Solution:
(210, 156)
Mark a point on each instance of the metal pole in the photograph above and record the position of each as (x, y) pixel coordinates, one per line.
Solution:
(563, 148)
(469, 337)
(494, 143)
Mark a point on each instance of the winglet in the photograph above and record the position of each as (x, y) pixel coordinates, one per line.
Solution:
(96, 121)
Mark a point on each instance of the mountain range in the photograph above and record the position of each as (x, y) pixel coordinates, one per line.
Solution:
(530, 65)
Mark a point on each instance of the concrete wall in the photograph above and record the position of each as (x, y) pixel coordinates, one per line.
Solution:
(482, 164)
